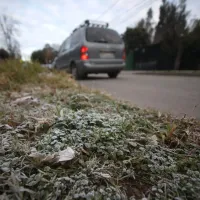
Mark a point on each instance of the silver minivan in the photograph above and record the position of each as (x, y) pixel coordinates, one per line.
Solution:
(92, 48)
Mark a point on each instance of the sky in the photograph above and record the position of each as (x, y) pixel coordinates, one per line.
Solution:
(50, 21)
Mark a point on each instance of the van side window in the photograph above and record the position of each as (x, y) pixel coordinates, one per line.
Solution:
(62, 47)
(75, 37)
(67, 44)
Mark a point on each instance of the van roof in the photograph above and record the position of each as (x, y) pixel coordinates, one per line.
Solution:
(91, 23)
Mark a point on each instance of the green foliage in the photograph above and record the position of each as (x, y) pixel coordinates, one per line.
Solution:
(193, 37)
(177, 38)
(149, 24)
(172, 28)
(135, 38)
(141, 35)
(192, 47)
(172, 22)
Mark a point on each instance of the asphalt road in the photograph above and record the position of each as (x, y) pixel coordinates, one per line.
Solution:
(178, 95)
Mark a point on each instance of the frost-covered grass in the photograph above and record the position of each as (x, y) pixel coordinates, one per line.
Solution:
(121, 152)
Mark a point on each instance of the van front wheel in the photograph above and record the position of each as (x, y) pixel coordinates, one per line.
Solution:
(113, 74)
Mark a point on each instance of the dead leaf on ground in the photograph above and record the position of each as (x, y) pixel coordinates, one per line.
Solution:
(60, 157)
(26, 100)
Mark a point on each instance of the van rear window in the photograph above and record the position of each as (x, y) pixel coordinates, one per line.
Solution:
(102, 35)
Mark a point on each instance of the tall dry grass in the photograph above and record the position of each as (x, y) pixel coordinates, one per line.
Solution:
(14, 74)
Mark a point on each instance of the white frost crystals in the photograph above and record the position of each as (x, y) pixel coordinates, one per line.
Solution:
(153, 140)
(88, 147)
(60, 157)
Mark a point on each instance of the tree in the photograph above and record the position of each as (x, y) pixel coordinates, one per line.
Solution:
(192, 47)
(141, 34)
(38, 56)
(135, 38)
(141, 24)
(149, 24)
(9, 28)
(45, 55)
(172, 28)
(160, 26)
(4, 54)
(194, 33)
(48, 53)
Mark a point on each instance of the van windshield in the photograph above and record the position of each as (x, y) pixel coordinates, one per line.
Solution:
(102, 35)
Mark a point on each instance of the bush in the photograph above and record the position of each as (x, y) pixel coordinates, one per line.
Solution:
(4, 54)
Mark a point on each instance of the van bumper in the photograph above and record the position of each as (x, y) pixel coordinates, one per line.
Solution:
(90, 67)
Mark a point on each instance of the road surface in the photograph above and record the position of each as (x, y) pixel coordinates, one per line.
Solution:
(178, 95)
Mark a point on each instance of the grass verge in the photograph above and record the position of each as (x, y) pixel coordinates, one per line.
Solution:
(13, 75)
(121, 152)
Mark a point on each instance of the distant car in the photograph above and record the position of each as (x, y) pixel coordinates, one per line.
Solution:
(47, 65)
(92, 48)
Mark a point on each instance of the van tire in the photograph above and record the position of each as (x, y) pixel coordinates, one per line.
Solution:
(76, 72)
(113, 74)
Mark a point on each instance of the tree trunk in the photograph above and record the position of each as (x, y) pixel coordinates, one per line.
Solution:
(178, 57)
